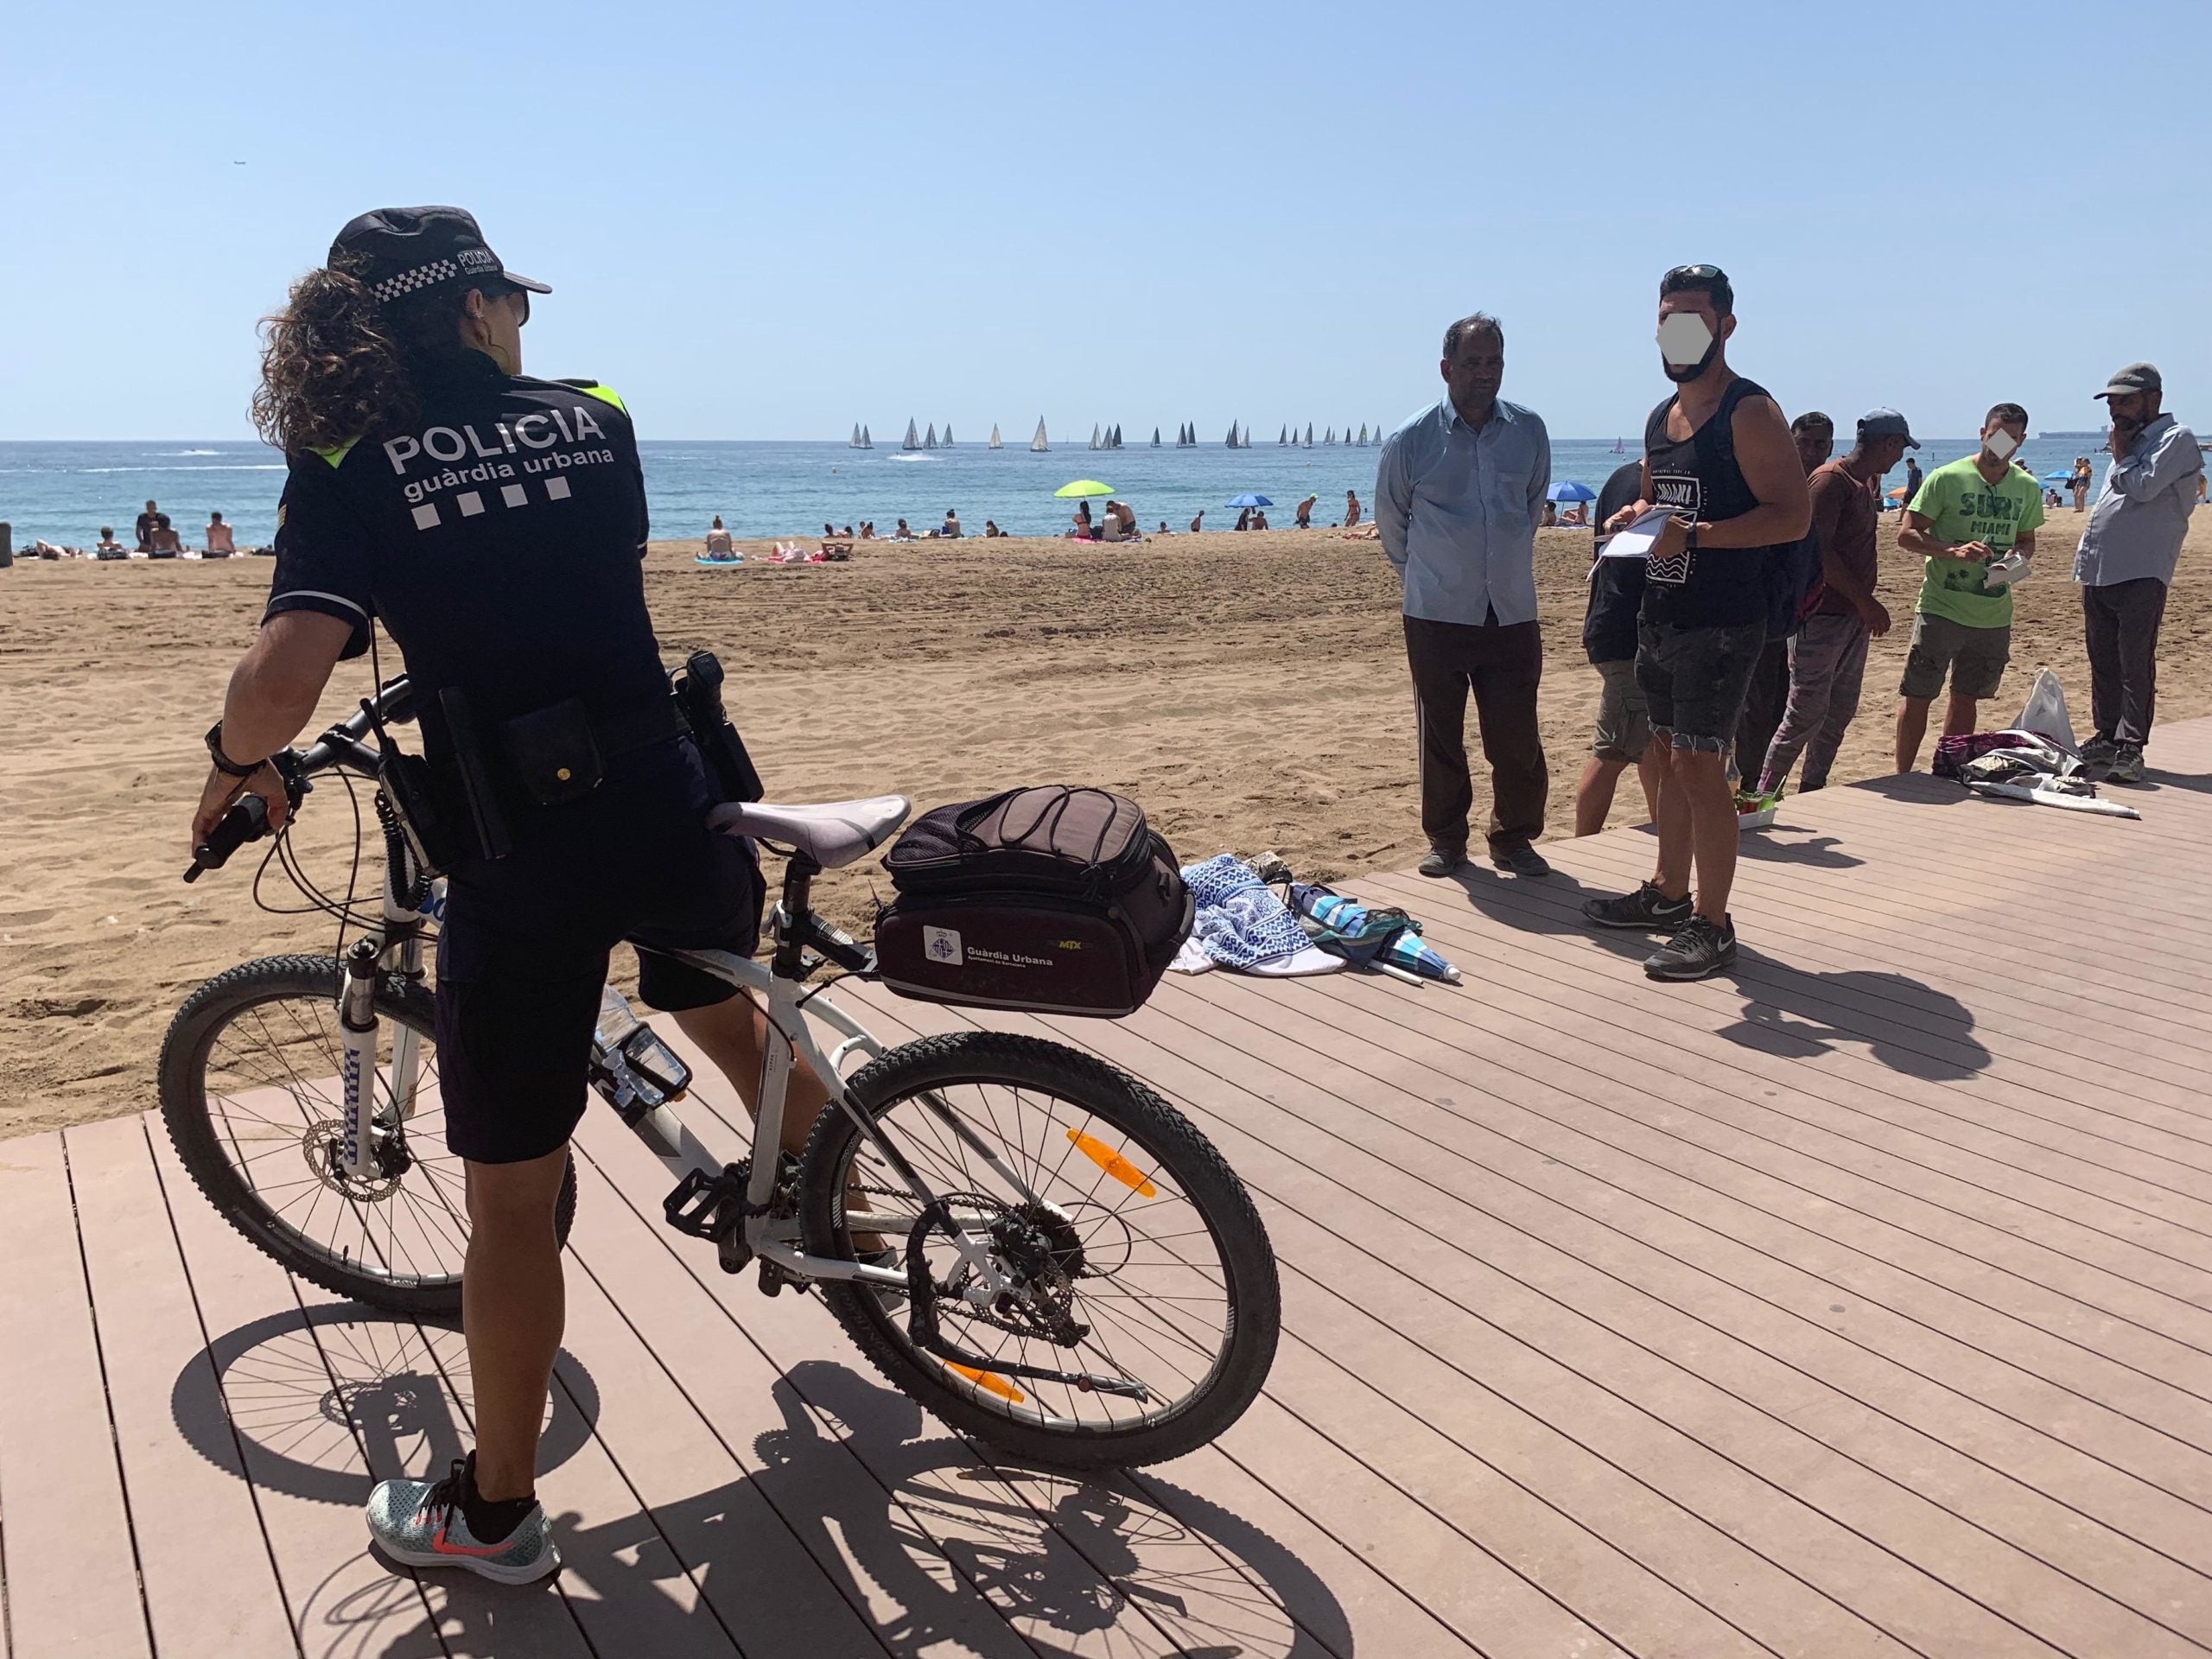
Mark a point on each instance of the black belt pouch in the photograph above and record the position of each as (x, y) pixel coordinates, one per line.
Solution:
(551, 754)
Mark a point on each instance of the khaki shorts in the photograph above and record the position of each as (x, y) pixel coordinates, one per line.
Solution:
(1973, 658)
(1623, 720)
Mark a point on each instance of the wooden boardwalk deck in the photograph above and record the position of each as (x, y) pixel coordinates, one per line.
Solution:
(1859, 1304)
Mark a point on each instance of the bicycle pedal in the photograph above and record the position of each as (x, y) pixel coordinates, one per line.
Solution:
(707, 1207)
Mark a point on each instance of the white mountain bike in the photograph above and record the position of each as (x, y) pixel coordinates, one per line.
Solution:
(1029, 1242)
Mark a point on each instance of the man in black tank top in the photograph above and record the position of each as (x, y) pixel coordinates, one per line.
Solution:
(1718, 454)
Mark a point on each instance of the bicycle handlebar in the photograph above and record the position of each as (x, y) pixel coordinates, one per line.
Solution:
(343, 745)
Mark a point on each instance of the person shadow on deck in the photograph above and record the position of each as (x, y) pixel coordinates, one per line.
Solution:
(1902, 1023)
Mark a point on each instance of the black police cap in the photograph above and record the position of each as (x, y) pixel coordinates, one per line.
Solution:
(417, 250)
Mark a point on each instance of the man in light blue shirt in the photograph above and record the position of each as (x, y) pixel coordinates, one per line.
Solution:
(1457, 496)
(2125, 563)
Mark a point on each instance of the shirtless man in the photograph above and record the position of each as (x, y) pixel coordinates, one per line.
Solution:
(1305, 512)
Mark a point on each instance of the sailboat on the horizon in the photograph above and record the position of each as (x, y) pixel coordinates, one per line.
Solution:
(1117, 435)
(1155, 437)
(1095, 442)
(948, 435)
(1037, 445)
(1363, 434)
(1309, 435)
(913, 436)
(867, 442)
(1282, 438)
(929, 442)
(995, 436)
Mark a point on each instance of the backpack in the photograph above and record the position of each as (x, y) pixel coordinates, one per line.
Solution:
(1054, 899)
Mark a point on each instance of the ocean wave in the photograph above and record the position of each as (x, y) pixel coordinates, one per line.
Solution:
(910, 457)
(187, 452)
(227, 467)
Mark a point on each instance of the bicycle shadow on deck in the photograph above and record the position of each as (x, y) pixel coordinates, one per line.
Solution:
(917, 1545)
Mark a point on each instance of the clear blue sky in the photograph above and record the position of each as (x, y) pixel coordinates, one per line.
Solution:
(775, 221)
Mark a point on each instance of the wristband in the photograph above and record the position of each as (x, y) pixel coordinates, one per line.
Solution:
(224, 764)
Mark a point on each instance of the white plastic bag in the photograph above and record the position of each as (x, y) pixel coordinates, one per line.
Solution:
(2045, 712)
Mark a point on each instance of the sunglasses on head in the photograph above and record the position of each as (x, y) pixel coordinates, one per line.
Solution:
(1695, 274)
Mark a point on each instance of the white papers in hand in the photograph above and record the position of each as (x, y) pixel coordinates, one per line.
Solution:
(1638, 539)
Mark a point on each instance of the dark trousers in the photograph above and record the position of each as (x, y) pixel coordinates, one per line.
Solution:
(1500, 664)
(2122, 621)
(1764, 701)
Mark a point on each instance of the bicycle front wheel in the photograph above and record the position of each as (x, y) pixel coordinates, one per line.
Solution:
(250, 1092)
(1141, 1308)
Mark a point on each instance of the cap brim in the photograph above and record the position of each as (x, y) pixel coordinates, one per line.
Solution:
(1910, 443)
(531, 283)
(1308, 959)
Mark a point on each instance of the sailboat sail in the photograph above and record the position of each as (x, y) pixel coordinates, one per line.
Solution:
(1363, 434)
(1094, 437)
(1309, 435)
(1117, 435)
(995, 434)
(929, 442)
(855, 443)
(1283, 437)
(867, 442)
(1037, 445)
(948, 435)
(1155, 437)
(913, 437)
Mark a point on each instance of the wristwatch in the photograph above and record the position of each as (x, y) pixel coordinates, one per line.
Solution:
(224, 764)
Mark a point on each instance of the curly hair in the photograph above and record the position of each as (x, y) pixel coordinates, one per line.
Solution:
(337, 366)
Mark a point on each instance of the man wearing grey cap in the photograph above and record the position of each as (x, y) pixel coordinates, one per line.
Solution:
(1828, 655)
(2125, 563)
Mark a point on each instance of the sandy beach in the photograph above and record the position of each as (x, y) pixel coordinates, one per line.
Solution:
(1249, 689)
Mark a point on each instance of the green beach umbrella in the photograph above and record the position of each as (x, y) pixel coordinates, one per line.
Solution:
(1083, 486)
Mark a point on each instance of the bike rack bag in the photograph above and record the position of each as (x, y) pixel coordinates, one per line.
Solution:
(1053, 900)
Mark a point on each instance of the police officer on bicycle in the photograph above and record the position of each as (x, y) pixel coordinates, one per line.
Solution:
(494, 524)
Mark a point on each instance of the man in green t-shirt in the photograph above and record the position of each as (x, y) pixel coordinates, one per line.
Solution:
(1965, 517)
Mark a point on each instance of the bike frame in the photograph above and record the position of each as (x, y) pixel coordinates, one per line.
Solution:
(794, 1013)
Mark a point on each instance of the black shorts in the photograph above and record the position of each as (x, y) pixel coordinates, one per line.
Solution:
(522, 948)
(1695, 679)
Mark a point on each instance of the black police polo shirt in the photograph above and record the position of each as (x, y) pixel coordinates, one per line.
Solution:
(499, 538)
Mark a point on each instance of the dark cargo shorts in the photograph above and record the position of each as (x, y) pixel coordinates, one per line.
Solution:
(523, 950)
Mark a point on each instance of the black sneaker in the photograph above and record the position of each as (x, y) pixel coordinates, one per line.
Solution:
(2125, 766)
(1441, 860)
(2098, 752)
(1645, 910)
(1519, 858)
(1702, 949)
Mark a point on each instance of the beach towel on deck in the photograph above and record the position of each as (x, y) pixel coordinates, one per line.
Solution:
(1239, 923)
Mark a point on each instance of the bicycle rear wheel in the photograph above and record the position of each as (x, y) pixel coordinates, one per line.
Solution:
(1142, 1282)
(250, 1094)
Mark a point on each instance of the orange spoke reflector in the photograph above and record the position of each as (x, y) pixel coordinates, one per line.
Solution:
(989, 1381)
(1113, 1163)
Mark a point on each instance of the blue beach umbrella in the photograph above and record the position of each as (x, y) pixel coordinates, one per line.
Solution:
(1567, 490)
(1249, 500)
(2058, 477)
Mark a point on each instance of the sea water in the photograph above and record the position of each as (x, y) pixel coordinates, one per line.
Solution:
(63, 493)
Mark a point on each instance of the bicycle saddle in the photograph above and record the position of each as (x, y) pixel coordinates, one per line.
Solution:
(832, 834)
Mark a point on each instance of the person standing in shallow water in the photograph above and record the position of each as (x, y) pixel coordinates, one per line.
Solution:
(1457, 494)
(1718, 455)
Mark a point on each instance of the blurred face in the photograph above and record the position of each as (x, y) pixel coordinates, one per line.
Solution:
(2131, 407)
(1884, 452)
(1476, 369)
(2001, 440)
(1690, 334)
(1815, 445)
